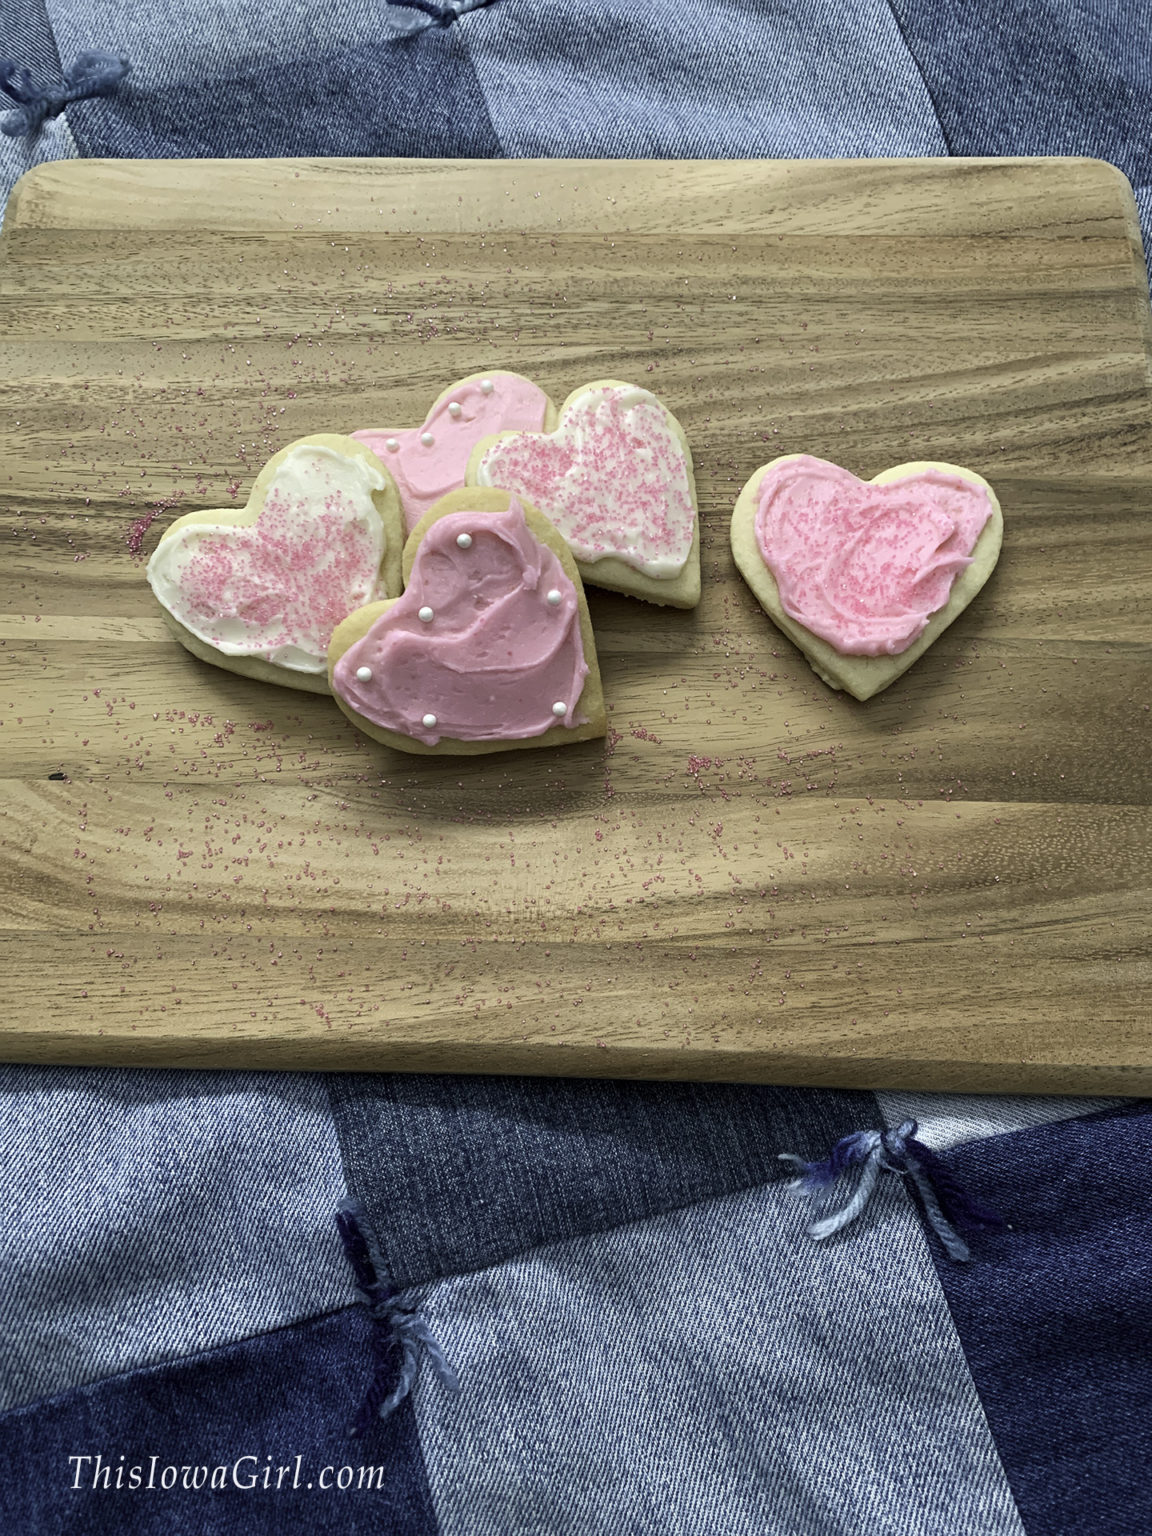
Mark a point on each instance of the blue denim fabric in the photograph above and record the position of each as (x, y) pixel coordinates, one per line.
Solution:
(460, 1172)
(711, 1372)
(730, 78)
(171, 45)
(1144, 209)
(415, 95)
(287, 1394)
(1056, 1319)
(26, 38)
(738, 78)
(148, 1214)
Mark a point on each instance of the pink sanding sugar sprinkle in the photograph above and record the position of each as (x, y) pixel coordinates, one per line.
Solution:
(135, 537)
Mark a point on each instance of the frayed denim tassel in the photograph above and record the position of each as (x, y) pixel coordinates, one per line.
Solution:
(945, 1203)
(397, 1324)
(92, 74)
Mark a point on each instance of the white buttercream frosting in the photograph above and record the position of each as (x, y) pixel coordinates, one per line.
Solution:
(276, 588)
(614, 478)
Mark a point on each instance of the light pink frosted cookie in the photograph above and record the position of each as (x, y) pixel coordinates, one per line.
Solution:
(615, 478)
(490, 646)
(260, 589)
(429, 461)
(865, 575)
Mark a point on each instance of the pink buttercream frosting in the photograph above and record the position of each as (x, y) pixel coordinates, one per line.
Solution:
(486, 639)
(865, 566)
(426, 471)
(613, 478)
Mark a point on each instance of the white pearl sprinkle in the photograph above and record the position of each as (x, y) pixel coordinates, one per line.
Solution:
(455, 409)
(364, 674)
(427, 439)
(559, 708)
(486, 386)
(464, 541)
(426, 615)
(554, 597)
(392, 444)
(429, 722)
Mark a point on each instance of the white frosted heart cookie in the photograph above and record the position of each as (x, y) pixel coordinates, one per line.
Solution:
(429, 461)
(864, 575)
(615, 478)
(489, 648)
(259, 589)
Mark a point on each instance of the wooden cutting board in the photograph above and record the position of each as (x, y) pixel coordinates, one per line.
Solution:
(755, 877)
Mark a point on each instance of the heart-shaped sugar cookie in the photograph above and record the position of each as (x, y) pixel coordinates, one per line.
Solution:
(260, 589)
(490, 646)
(615, 479)
(429, 461)
(865, 575)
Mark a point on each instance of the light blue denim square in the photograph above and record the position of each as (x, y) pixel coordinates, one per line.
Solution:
(711, 1371)
(149, 1214)
(733, 78)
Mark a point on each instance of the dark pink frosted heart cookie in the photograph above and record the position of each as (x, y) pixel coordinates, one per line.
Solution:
(490, 645)
(429, 461)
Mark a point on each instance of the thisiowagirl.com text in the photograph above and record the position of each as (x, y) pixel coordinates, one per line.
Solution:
(248, 1473)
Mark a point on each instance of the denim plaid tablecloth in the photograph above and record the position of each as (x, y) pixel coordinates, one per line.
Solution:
(645, 1339)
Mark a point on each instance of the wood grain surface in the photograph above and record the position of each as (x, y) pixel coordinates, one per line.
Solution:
(755, 877)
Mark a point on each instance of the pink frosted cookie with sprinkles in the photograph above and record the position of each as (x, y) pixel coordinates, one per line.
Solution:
(615, 478)
(429, 461)
(259, 589)
(489, 648)
(865, 574)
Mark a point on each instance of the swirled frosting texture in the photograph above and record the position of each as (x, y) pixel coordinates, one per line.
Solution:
(495, 656)
(426, 471)
(277, 588)
(613, 479)
(865, 566)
